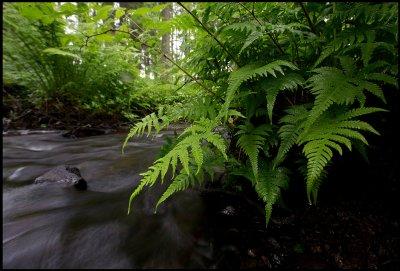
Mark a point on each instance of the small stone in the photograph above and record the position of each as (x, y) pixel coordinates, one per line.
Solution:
(251, 253)
(229, 210)
(66, 175)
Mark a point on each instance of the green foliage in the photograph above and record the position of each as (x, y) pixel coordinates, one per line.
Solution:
(326, 136)
(251, 71)
(256, 83)
(251, 140)
(268, 184)
(66, 55)
(319, 107)
(189, 147)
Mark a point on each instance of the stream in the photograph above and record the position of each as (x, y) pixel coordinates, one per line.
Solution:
(48, 226)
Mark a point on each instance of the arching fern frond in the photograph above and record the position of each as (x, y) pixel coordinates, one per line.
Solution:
(250, 71)
(332, 86)
(326, 135)
(184, 180)
(150, 121)
(182, 151)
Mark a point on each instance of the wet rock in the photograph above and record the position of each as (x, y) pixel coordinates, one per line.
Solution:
(228, 210)
(6, 123)
(67, 175)
(251, 252)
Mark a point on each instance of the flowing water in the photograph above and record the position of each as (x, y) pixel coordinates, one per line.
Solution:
(48, 226)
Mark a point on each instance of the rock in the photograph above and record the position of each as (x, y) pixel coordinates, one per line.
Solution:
(67, 175)
(6, 123)
(229, 211)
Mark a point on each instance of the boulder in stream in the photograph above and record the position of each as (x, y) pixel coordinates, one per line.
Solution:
(67, 175)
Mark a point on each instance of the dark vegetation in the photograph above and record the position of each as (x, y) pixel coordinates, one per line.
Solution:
(287, 105)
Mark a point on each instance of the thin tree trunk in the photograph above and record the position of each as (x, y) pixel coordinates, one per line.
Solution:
(166, 38)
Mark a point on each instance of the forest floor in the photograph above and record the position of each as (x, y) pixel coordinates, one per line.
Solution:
(349, 234)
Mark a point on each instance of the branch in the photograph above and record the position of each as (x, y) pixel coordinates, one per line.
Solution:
(312, 26)
(211, 34)
(166, 57)
(269, 34)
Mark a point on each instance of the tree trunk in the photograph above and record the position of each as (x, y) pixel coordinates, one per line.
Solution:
(166, 38)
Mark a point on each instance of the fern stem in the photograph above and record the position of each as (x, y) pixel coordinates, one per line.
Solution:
(211, 34)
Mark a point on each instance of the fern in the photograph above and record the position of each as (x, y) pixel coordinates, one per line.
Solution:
(184, 180)
(326, 136)
(268, 184)
(274, 85)
(255, 35)
(357, 58)
(293, 125)
(251, 139)
(244, 27)
(251, 71)
(198, 108)
(150, 121)
(333, 86)
(194, 136)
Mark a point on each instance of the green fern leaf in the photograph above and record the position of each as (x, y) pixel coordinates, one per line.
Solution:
(197, 155)
(251, 140)
(180, 183)
(249, 71)
(250, 39)
(274, 85)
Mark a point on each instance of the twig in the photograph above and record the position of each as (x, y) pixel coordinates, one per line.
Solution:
(166, 57)
(269, 34)
(211, 34)
(312, 26)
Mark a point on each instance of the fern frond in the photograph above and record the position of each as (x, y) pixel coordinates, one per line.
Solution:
(150, 121)
(181, 182)
(255, 35)
(251, 140)
(373, 89)
(326, 135)
(382, 77)
(289, 132)
(274, 85)
(193, 141)
(329, 85)
(332, 86)
(250, 71)
(268, 185)
(366, 51)
(360, 112)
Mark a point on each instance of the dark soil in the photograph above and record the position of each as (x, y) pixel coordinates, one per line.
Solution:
(347, 235)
